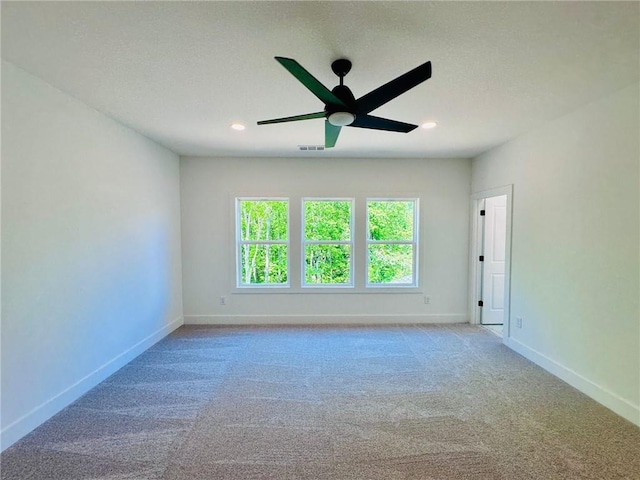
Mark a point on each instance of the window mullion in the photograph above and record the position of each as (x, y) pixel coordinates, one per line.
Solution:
(328, 242)
(264, 242)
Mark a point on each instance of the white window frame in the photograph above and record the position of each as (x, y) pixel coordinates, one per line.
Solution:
(413, 242)
(304, 242)
(239, 243)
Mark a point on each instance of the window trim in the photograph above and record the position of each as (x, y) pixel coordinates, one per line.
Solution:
(414, 242)
(294, 269)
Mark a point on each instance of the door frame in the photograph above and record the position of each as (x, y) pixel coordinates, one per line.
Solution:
(475, 245)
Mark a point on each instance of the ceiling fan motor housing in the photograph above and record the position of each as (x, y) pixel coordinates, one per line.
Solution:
(337, 114)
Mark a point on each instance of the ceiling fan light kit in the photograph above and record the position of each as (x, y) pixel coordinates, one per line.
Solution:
(341, 109)
(341, 119)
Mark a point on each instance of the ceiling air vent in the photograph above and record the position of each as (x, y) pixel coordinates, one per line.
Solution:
(311, 148)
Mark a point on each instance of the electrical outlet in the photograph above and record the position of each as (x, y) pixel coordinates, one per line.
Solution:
(223, 300)
(427, 300)
(519, 322)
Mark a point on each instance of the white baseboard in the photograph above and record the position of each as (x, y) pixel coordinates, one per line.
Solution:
(25, 424)
(321, 319)
(617, 404)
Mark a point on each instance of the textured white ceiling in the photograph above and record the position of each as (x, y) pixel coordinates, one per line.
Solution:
(181, 72)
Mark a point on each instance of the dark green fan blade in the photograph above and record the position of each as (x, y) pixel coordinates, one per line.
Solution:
(309, 81)
(394, 88)
(331, 133)
(295, 118)
(377, 123)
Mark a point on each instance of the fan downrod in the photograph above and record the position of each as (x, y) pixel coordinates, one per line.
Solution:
(341, 67)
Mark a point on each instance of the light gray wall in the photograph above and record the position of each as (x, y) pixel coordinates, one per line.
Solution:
(208, 189)
(575, 263)
(91, 271)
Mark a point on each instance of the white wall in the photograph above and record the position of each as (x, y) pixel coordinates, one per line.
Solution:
(91, 271)
(208, 189)
(575, 259)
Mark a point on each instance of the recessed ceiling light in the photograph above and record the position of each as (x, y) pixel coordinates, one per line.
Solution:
(429, 125)
(238, 126)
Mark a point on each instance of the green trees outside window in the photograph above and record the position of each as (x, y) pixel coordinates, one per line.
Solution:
(263, 241)
(327, 242)
(391, 242)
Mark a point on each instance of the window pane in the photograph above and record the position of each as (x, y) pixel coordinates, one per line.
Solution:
(263, 220)
(390, 263)
(327, 220)
(264, 264)
(390, 220)
(327, 264)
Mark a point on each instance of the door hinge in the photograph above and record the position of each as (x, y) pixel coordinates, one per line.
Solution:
(482, 213)
(480, 303)
(481, 258)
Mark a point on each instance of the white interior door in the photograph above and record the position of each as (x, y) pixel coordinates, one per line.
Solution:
(493, 267)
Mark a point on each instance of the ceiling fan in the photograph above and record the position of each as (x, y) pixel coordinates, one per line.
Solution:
(341, 109)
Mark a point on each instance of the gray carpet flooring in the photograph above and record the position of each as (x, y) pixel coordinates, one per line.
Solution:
(330, 402)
